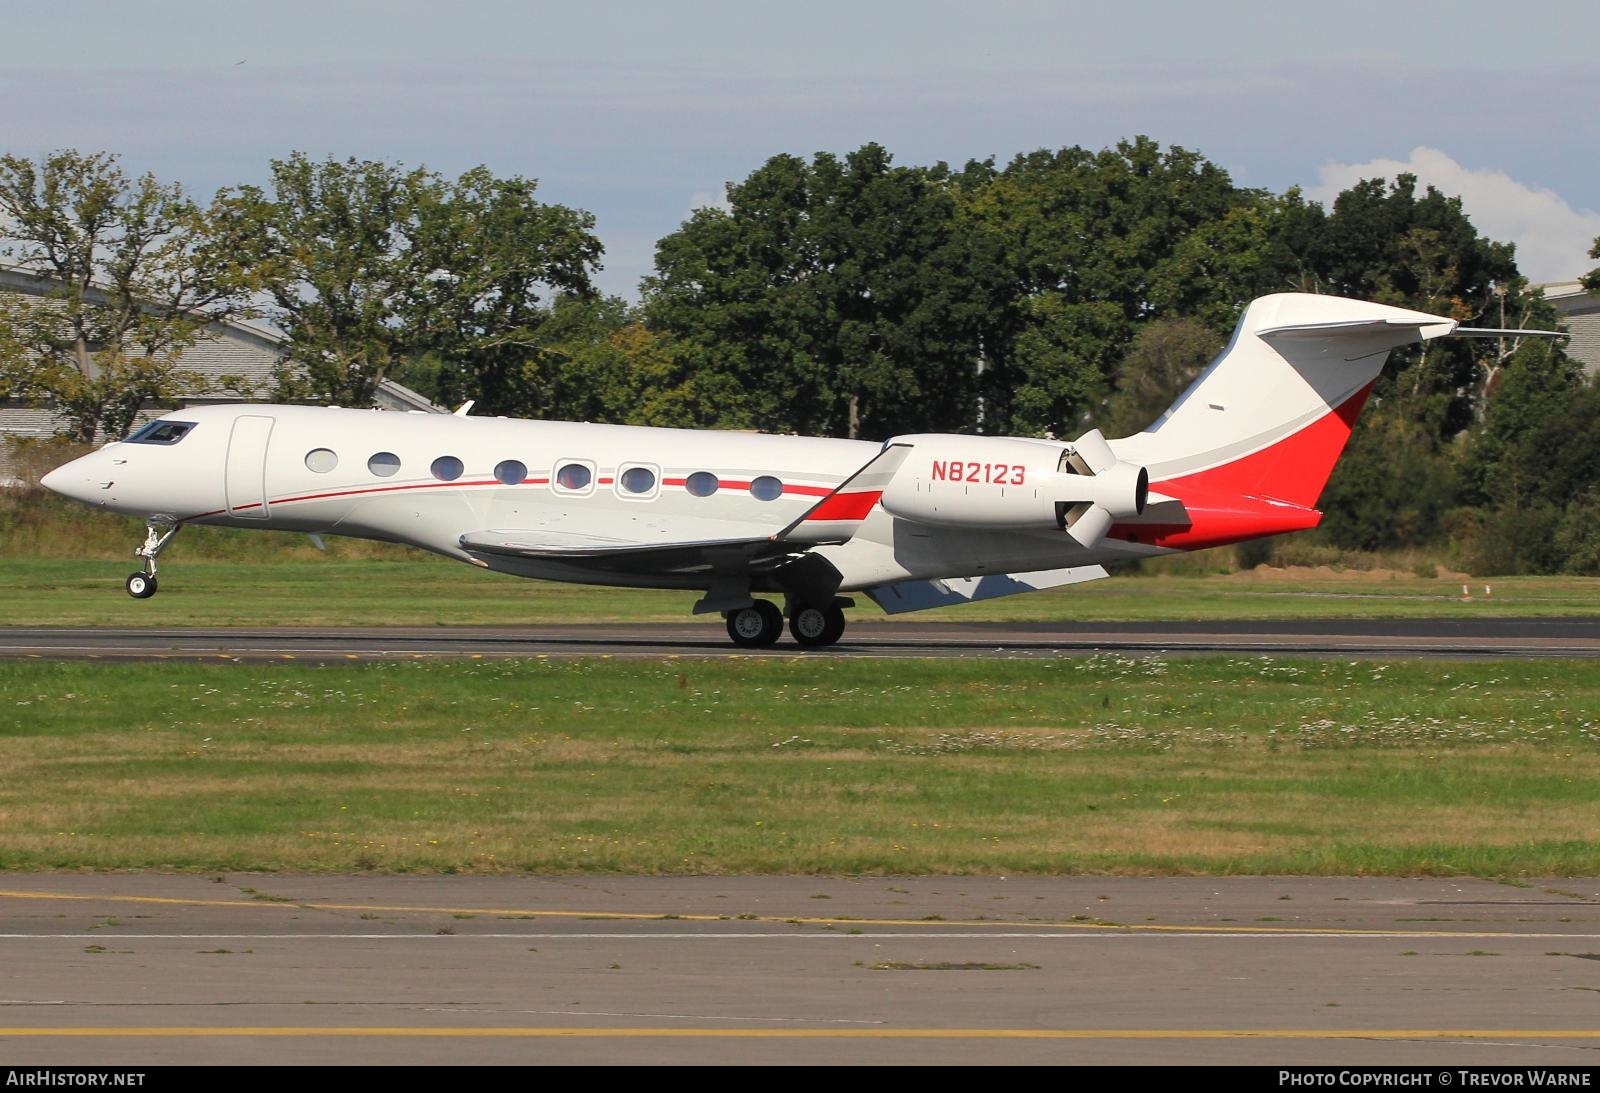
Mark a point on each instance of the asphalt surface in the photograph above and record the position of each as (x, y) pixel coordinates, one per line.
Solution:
(1481, 637)
(155, 969)
(132, 970)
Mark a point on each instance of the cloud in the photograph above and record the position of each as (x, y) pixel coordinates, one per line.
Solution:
(1552, 238)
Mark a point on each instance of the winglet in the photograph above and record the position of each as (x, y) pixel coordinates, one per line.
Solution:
(837, 516)
(464, 408)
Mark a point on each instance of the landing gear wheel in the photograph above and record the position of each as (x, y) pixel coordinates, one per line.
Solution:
(817, 625)
(158, 532)
(755, 626)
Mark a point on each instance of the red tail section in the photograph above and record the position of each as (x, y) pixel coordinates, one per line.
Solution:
(1268, 492)
(1247, 449)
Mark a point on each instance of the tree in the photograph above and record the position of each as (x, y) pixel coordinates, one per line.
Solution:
(1165, 356)
(332, 244)
(15, 357)
(1392, 486)
(1092, 245)
(595, 360)
(1532, 468)
(1258, 246)
(834, 296)
(1382, 241)
(487, 260)
(133, 276)
(369, 265)
(1591, 280)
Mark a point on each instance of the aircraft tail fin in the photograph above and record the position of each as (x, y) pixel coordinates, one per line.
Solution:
(1250, 445)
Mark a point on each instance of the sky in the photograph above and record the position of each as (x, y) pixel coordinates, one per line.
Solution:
(640, 112)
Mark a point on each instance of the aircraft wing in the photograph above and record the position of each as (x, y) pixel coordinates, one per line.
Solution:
(623, 556)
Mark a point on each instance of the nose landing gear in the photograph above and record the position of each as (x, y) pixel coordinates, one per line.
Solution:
(157, 534)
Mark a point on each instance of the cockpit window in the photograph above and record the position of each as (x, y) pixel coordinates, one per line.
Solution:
(161, 432)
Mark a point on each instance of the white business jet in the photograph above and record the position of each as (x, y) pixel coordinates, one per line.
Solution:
(916, 522)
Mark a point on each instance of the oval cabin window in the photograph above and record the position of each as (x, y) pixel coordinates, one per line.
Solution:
(321, 460)
(701, 484)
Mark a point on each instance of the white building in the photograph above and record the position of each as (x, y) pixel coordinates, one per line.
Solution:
(1580, 312)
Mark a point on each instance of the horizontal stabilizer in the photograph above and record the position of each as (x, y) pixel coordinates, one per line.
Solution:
(1425, 326)
(905, 596)
(1161, 509)
(1369, 335)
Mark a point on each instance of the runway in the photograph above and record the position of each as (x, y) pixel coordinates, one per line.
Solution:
(150, 969)
(1479, 637)
(133, 970)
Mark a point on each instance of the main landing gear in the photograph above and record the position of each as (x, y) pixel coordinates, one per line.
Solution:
(759, 624)
(762, 624)
(817, 625)
(157, 534)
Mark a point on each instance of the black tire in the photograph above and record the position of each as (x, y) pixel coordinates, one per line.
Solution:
(817, 625)
(141, 586)
(755, 626)
(835, 629)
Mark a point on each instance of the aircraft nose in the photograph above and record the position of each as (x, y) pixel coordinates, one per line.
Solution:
(69, 480)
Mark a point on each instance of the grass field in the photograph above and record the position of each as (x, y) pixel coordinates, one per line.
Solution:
(1097, 764)
(422, 591)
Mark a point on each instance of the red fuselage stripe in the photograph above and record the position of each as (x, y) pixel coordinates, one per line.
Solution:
(798, 491)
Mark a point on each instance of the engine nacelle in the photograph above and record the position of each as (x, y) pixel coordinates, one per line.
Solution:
(1121, 489)
(1011, 482)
